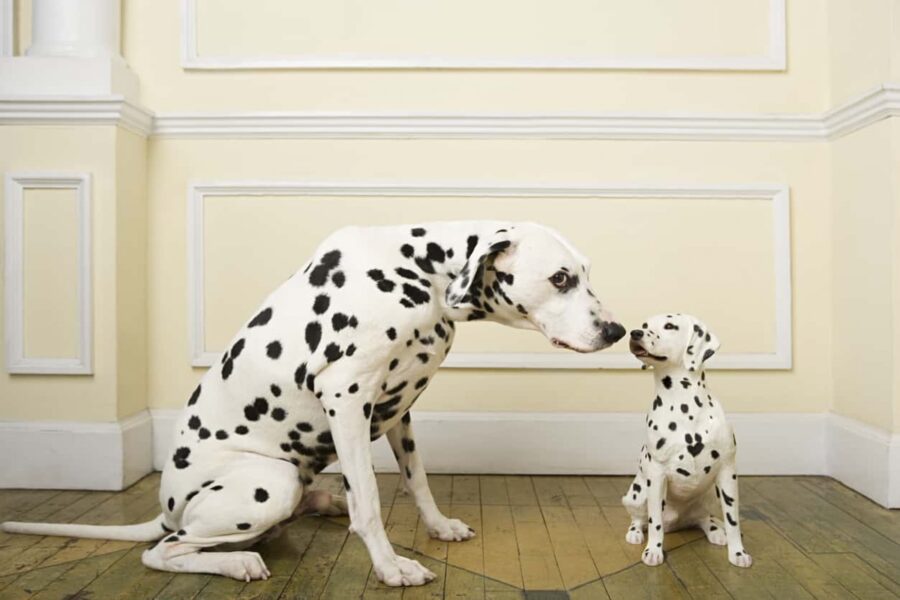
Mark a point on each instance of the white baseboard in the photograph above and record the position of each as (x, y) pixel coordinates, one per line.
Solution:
(110, 456)
(865, 459)
(71, 455)
(571, 443)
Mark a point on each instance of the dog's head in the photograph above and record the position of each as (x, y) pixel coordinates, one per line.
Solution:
(675, 340)
(529, 276)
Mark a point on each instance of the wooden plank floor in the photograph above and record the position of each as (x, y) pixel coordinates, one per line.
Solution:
(538, 537)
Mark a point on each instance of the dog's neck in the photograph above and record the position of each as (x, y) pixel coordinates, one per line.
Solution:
(677, 379)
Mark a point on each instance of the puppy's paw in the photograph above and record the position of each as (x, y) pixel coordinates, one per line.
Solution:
(739, 558)
(401, 571)
(652, 556)
(450, 530)
(634, 535)
(715, 532)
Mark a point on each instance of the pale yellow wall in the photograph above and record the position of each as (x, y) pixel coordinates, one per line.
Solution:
(151, 43)
(863, 255)
(131, 272)
(75, 150)
(862, 40)
(807, 388)
(50, 273)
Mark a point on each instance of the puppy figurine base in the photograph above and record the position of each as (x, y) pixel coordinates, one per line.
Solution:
(687, 466)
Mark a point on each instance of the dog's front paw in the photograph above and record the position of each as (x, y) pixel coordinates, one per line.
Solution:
(715, 534)
(243, 566)
(400, 571)
(450, 530)
(653, 557)
(634, 535)
(739, 558)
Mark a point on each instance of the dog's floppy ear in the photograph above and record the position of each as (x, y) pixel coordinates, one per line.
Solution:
(702, 345)
(465, 289)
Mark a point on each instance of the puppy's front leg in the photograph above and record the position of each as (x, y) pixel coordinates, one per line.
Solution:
(727, 491)
(350, 432)
(413, 473)
(656, 503)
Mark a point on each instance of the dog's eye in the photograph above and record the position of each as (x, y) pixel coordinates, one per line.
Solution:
(670, 326)
(560, 280)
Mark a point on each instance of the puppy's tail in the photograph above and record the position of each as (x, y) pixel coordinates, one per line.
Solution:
(141, 532)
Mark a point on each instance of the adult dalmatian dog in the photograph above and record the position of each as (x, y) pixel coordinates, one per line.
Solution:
(687, 466)
(334, 358)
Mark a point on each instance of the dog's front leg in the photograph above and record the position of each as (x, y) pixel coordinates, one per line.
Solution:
(350, 432)
(727, 491)
(412, 472)
(656, 503)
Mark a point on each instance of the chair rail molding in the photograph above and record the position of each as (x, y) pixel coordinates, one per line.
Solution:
(777, 195)
(774, 58)
(16, 361)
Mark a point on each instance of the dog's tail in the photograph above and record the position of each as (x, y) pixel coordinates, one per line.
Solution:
(141, 532)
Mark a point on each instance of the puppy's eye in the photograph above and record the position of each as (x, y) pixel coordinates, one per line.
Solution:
(670, 326)
(644, 326)
(560, 280)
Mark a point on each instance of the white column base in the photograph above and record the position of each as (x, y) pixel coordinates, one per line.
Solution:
(75, 456)
(46, 76)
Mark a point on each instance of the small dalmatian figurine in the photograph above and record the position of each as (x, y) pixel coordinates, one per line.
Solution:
(689, 459)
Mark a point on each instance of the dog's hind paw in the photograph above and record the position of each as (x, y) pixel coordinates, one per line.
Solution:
(450, 530)
(740, 558)
(244, 566)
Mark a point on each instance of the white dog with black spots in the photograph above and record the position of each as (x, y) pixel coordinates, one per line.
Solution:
(334, 358)
(687, 466)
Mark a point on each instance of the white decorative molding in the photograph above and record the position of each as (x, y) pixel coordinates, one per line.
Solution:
(76, 455)
(776, 195)
(16, 361)
(775, 58)
(105, 110)
(865, 458)
(880, 103)
(7, 28)
(544, 443)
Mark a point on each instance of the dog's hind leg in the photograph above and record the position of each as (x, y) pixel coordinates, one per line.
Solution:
(412, 472)
(256, 495)
(635, 502)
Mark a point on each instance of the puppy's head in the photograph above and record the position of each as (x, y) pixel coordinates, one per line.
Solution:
(674, 340)
(529, 276)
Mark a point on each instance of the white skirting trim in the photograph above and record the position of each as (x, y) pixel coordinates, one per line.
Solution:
(110, 456)
(865, 458)
(71, 455)
(571, 443)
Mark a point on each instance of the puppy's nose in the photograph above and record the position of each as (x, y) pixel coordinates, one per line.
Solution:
(636, 334)
(612, 332)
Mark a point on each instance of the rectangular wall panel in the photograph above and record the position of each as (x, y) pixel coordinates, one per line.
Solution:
(713, 252)
(48, 274)
(606, 34)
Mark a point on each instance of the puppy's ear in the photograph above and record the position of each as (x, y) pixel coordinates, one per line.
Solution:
(465, 289)
(702, 345)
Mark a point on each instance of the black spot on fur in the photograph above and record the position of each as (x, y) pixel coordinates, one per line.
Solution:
(300, 375)
(660, 443)
(221, 434)
(321, 304)
(417, 295)
(260, 495)
(367, 409)
(194, 397)
(180, 458)
(351, 350)
(203, 433)
(243, 526)
(237, 348)
(657, 403)
(375, 274)
(417, 232)
(171, 504)
(261, 319)
(279, 414)
(406, 273)
(673, 426)
(392, 334)
(313, 335)
(731, 521)
(408, 445)
(386, 285)
(424, 264)
(241, 430)
(191, 495)
(667, 382)
(338, 279)
(339, 321)
(353, 388)
(681, 471)
(471, 242)
(227, 367)
(435, 253)
(194, 422)
(407, 250)
(319, 275)
(276, 391)
(333, 352)
(273, 350)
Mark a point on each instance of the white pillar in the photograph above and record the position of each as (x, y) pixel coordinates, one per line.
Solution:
(75, 28)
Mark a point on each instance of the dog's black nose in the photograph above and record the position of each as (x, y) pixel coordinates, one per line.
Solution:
(612, 332)
(637, 334)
